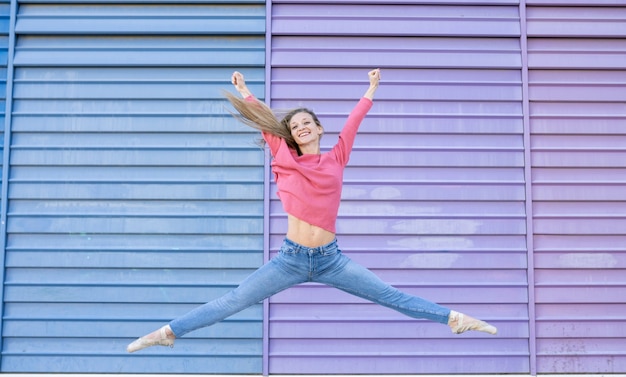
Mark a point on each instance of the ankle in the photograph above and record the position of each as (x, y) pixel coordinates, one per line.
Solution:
(453, 318)
(169, 333)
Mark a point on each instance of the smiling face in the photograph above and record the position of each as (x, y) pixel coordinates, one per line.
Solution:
(306, 131)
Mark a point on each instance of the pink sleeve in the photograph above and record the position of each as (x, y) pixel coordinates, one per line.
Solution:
(348, 133)
(272, 141)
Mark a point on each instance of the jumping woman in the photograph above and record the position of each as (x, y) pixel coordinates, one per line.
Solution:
(309, 186)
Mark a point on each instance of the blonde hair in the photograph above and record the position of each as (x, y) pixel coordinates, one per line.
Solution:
(258, 115)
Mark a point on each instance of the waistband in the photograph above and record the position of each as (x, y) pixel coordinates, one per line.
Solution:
(297, 248)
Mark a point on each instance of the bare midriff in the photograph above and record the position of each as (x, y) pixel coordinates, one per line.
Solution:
(306, 234)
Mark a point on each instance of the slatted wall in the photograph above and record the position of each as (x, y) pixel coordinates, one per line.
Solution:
(433, 200)
(577, 76)
(134, 195)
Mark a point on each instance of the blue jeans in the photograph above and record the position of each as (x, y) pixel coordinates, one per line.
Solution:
(297, 264)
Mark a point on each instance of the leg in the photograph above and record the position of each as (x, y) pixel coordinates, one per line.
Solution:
(266, 281)
(355, 279)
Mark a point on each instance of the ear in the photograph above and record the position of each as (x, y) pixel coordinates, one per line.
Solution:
(320, 129)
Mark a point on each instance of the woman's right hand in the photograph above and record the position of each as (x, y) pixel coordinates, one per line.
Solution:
(240, 84)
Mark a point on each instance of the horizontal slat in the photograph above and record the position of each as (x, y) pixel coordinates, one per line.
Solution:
(580, 175)
(579, 312)
(581, 143)
(138, 174)
(589, 328)
(140, 116)
(432, 175)
(114, 293)
(585, 158)
(127, 318)
(125, 190)
(577, 210)
(581, 225)
(396, 328)
(582, 243)
(391, 225)
(575, 2)
(477, 91)
(140, 51)
(430, 210)
(577, 192)
(440, 258)
(359, 313)
(484, 294)
(135, 224)
(155, 242)
(394, 19)
(580, 260)
(114, 364)
(57, 276)
(453, 2)
(140, 19)
(590, 277)
(378, 347)
(368, 243)
(144, 1)
(574, 347)
(583, 294)
(584, 364)
(436, 191)
(397, 364)
(547, 53)
(136, 208)
(575, 92)
(162, 156)
(218, 348)
(136, 257)
(501, 53)
(505, 156)
(129, 140)
(576, 21)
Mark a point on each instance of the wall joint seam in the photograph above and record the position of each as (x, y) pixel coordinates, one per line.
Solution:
(530, 268)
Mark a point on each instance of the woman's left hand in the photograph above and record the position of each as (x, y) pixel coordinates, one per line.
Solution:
(374, 76)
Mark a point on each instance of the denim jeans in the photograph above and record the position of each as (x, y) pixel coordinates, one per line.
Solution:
(297, 264)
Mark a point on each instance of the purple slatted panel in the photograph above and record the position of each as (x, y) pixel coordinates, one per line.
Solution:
(577, 77)
(434, 194)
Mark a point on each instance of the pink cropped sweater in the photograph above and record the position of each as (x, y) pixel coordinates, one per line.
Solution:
(309, 186)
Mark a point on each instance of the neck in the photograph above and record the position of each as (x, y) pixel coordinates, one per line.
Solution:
(310, 149)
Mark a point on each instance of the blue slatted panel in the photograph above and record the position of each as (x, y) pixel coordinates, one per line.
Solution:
(134, 195)
(577, 61)
(433, 199)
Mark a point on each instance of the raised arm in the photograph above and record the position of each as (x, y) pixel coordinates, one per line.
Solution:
(374, 76)
(240, 84)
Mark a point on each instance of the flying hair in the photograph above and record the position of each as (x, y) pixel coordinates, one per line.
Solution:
(258, 115)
